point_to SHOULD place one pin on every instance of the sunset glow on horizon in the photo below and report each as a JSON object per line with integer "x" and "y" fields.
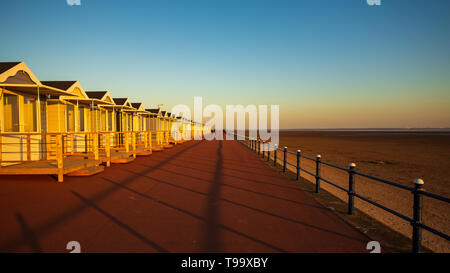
{"x": 328, "y": 64}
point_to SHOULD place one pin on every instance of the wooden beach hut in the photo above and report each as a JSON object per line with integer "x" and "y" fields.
{"x": 23, "y": 111}
{"x": 124, "y": 118}
{"x": 165, "y": 128}
{"x": 155, "y": 125}
{"x": 141, "y": 135}
{"x": 35, "y": 120}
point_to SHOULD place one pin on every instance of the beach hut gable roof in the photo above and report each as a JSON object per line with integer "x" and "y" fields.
{"x": 122, "y": 102}
{"x": 153, "y": 111}
{"x": 138, "y": 105}
{"x": 71, "y": 87}
{"x": 17, "y": 73}
{"x": 100, "y": 95}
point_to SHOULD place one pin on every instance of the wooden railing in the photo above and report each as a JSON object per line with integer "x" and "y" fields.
{"x": 27, "y": 147}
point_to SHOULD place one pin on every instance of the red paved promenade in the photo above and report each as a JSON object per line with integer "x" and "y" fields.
{"x": 196, "y": 197}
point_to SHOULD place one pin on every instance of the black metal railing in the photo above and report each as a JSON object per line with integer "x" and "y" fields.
{"x": 417, "y": 190}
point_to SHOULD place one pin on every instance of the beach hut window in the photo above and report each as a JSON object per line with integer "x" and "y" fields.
{"x": 94, "y": 118}
{"x": 29, "y": 111}
{"x": 110, "y": 121}
{"x": 10, "y": 113}
{"x": 103, "y": 121}
{"x": 130, "y": 122}
{"x": 81, "y": 113}
{"x": 70, "y": 118}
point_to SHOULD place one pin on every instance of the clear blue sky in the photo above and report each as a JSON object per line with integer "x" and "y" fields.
{"x": 327, "y": 63}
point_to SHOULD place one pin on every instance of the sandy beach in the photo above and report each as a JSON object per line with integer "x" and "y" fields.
{"x": 399, "y": 156}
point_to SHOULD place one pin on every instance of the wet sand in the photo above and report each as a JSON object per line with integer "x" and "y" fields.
{"x": 396, "y": 156}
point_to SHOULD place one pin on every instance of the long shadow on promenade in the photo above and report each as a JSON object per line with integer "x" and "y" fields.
{"x": 49, "y": 225}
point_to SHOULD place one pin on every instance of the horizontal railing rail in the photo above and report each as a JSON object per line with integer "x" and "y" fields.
{"x": 264, "y": 149}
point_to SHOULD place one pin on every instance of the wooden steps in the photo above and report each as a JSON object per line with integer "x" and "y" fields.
{"x": 157, "y": 148}
{"x": 122, "y": 160}
{"x": 48, "y": 167}
{"x": 87, "y": 171}
{"x": 143, "y": 153}
{"x": 167, "y": 146}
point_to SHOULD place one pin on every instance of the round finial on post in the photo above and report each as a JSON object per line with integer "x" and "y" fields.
{"x": 418, "y": 182}
{"x": 352, "y": 165}
{"x": 318, "y": 156}
{"x": 299, "y": 151}
{"x": 285, "y": 147}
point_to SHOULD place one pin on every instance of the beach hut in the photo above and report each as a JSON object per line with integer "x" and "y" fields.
{"x": 165, "y": 123}
{"x": 139, "y": 116}
{"x": 104, "y": 106}
{"x": 35, "y": 120}
{"x": 141, "y": 134}
{"x": 124, "y": 117}
{"x": 154, "y": 124}
{"x": 23, "y": 113}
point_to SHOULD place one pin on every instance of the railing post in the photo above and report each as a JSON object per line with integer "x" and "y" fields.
{"x": 72, "y": 144}
{"x": 127, "y": 145}
{"x": 108, "y": 149}
{"x": 146, "y": 141}
{"x": 259, "y": 147}
{"x": 59, "y": 157}
{"x": 318, "y": 157}
{"x": 417, "y": 215}
{"x": 133, "y": 143}
{"x": 268, "y": 152}
{"x": 284, "y": 159}
{"x": 65, "y": 145}
{"x": 150, "y": 140}
{"x": 275, "y": 155}
{"x": 95, "y": 145}
{"x": 351, "y": 189}
{"x": 47, "y": 146}
{"x": 86, "y": 143}
{"x": 1, "y": 150}
{"x": 29, "y": 147}
{"x": 263, "y": 151}
{"x": 298, "y": 164}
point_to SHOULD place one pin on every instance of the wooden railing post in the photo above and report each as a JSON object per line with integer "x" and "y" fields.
{"x": 65, "y": 146}
{"x": 1, "y": 150}
{"x": 299, "y": 155}
{"x": 133, "y": 143}
{"x": 150, "y": 140}
{"x": 28, "y": 147}
{"x": 108, "y": 149}
{"x": 284, "y": 159}
{"x": 275, "y": 155}
{"x": 127, "y": 145}
{"x": 47, "y": 146}
{"x": 86, "y": 143}
{"x": 59, "y": 157}
{"x": 146, "y": 141}
{"x": 95, "y": 145}
{"x": 72, "y": 143}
